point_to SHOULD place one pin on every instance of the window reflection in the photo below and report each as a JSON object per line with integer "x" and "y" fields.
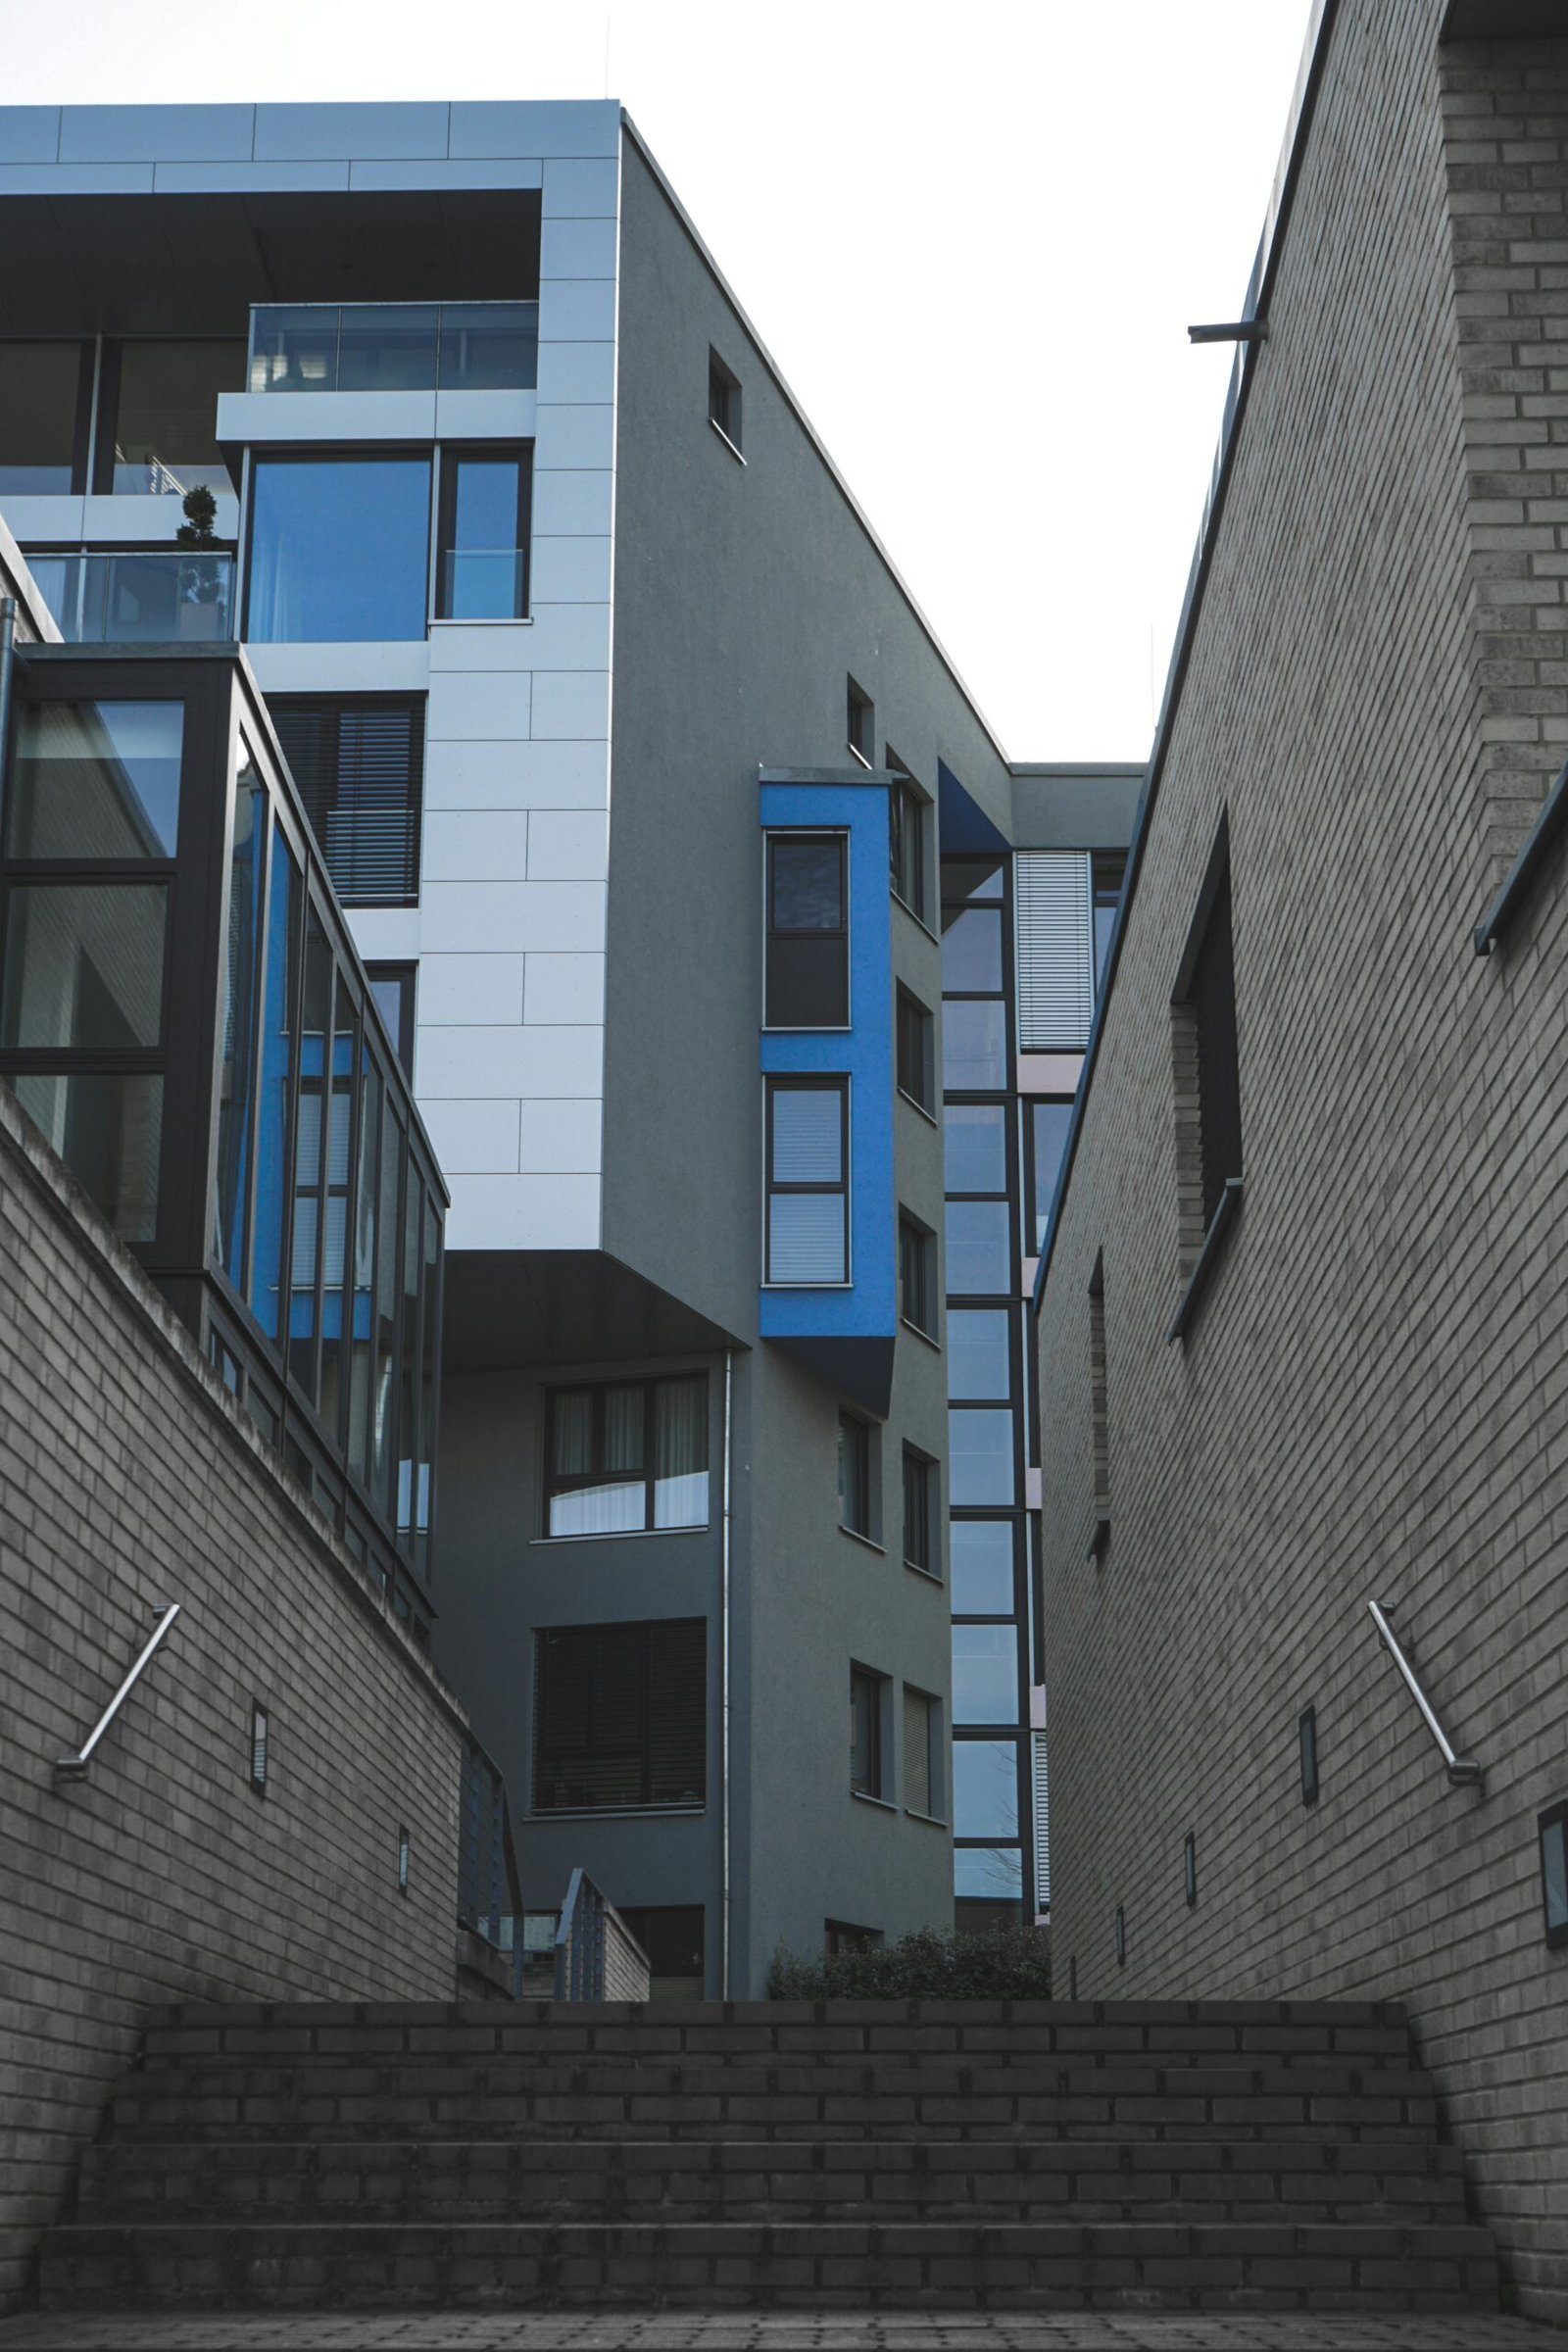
{"x": 989, "y": 1873}
{"x": 975, "y": 1147}
{"x": 109, "y": 1132}
{"x": 980, "y": 1445}
{"x": 973, "y": 1054}
{"x": 95, "y": 780}
{"x": 978, "y": 1252}
{"x": 985, "y": 1789}
{"x": 985, "y": 1673}
{"x": 982, "y": 1567}
{"x": 339, "y": 550}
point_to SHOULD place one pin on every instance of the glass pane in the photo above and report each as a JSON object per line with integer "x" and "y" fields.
{"x": 975, "y": 1145}
{"x": 109, "y": 1132}
{"x": 294, "y": 349}
{"x": 680, "y": 1453}
{"x": 40, "y": 385}
{"x": 364, "y": 1269}
{"x": 972, "y": 877}
{"x": 985, "y": 1673}
{"x": 865, "y": 1741}
{"x": 386, "y": 347}
{"x": 339, "y": 550}
{"x": 624, "y": 1410}
{"x": 166, "y": 416}
{"x": 985, "y": 1789}
{"x": 979, "y": 1253}
{"x": 806, "y": 1237}
{"x": 84, "y": 965}
{"x": 971, "y": 950}
{"x": 486, "y": 345}
{"x": 571, "y": 1444}
{"x": 617, "y": 1508}
{"x": 310, "y": 1129}
{"x": 980, "y": 1445}
{"x": 336, "y": 1269}
{"x": 383, "y": 1411}
{"x": 972, "y": 1054}
{"x": 978, "y": 1363}
{"x": 409, "y": 1366}
{"x": 280, "y": 1021}
{"x": 807, "y": 1135}
{"x": 992, "y": 1872}
{"x": 425, "y": 1498}
{"x": 807, "y": 981}
{"x": 982, "y": 1568}
{"x": 95, "y": 780}
{"x": 485, "y": 583}
{"x": 237, "y": 1082}
{"x": 486, "y": 503}
{"x": 1049, "y": 1125}
{"x": 808, "y": 886}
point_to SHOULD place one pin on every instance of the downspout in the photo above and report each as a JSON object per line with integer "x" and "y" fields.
{"x": 8, "y": 656}
{"x": 724, "y": 1831}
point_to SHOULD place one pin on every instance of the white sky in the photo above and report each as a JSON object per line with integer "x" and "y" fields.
{"x": 972, "y": 238}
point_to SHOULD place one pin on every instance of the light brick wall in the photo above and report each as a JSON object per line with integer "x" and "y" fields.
{"x": 1373, "y": 1400}
{"x": 128, "y": 1480}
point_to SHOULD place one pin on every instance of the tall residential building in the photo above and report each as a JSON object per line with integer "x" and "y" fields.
{"x": 644, "y": 783}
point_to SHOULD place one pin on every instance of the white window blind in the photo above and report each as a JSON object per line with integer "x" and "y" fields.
{"x": 1054, "y": 915}
{"x": 1042, "y": 1824}
{"x": 807, "y": 1135}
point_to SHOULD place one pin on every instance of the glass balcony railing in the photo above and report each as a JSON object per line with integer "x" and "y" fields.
{"x": 167, "y": 596}
{"x": 395, "y": 346}
{"x": 484, "y": 583}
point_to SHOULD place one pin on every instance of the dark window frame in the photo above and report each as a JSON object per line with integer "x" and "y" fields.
{"x": 777, "y": 936}
{"x": 906, "y": 838}
{"x": 931, "y": 1724}
{"x": 922, "y": 1519}
{"x": 724, "y": 402}
{"x": 653, "y": 1659}
{"x": 453, "y": 457}
{"x": 857, "y": 1477}
{"x": 1306, "y": 1746}
{"x": 918, "y": 1276}
{"x": 109, "y": 386}
{"x": 81, "y": 419}
{"x": 554, "y": 1482}
{"x": 320, "y": 798}
{"x": 868, "y": 1679}
{"x": 407, "y": 977}
{"x": 805, "y": 1081}
{"x": 341, "y": 453}
{"x": 860, "y": 724}
{"x": 916, "y": 1037}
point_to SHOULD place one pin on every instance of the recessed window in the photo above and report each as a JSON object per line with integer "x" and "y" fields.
{"x": 1552, "y": 1825}
{"x": 45, "y": 394}
{"x": 985, "y": 1673}
{"x": 359, "y": 763}
{"x": 403, "y": 1854}
{"x": 983, "y": 1568}
{"x": 906, "y": 837}
{"x": 841, "y": 1935}
{"x": 259, "y": 1748}
{"x": 1208, "y": 1134}
{"x": 916, "y": 1051}
{"x": 868, "y": 1727}
{"x": 857, "y": 1497}
{"x": 921, "y": 1520}
{"x": 482, "y": 541}
{"x": 918, "y": 1276}
{"x": 627, "y": 1456}
{"x": 675, "y": 1937}
{"x": 158, "y": 413}
{"x": 860, "y": 722}
{"x": 1108, "y": 873}
{"x": 1306, "y": 1741}
{"x": 979, "y": 1247}
{"x": 1099, "y": 1398}
{"x": 339, "y": 550}
{"x": 923, "y": 1752}
{"x": 808, "y": 978}
{"x": 979, "y": 1354}
{"x": 1189, "y": 1870}
{"x": 392, "y": 986}
{"x": 808, "y": 1242}
{"x": 724, "y": 400}
{"x": 620, "y": 1716}
{"x": 1046, "y": 1128}
{"x": 985, "y": 1789}
{"x": 1121, "y": 1937}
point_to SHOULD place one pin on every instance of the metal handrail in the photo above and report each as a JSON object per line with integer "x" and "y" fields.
{"x": 1463, "y": 1771}
{"x": 595, "y": 1948}
{"x": 74, "y": 1768}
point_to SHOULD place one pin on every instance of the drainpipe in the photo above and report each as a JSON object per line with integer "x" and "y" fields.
{"x": 8, "y": 656}
{"x": 724, "y": 1832}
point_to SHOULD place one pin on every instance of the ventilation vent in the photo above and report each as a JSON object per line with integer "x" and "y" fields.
{"x": 1052, "y": 911}
{"x": 359, "y": 762}
{"x": 1042, "y": 1824}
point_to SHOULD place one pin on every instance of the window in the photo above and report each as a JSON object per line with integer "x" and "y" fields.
{"x": 985, "y": 1789}
{"x": 725, "y": 401}
{"x": 857, "y": 1464}
{"x": 392, "y": 986}
{"x": 627, "y": 1456}
{"x": 807, "y": 1241}
{"x": 974, "y": 1143}
{"x": 860, "y": 724}
{"x": 1121, "y": 1937}
{"x": 359, "y": 762}
{"x": 982, "y": 1568}
{"x": 988, "y": 1874}
{"x": 1047, "y": 1129}
{"x": 1108, "y": 871}
{"x": 1208, "y": 1144}
{"x": 971, "y": 950}
{"x": 906, "y": 837}
{"x": 1189, "y": 1870}
{"x": 979, "y": 1256}
{"x": 974, "y": 1055}
{"x": 339, "y": 550}
{"x": 1552, "y": 1830}
{"x": 1039, "y": 1744}
{"x": 922, "y": 1753}
{"x": 482, "y": 540}
{"x": 620, "y": 1716}
{"x": 868, "y": 1727}
{"x": 1099, "y": 1401}
{"x": 1055, "y": 951}
{"x": 807, "y": 979}
{"x": 158, "y": 415}
{"x": 841, "y": 1936}
{"x": 916, "y": 1052}
{"x": 979, "y": 1354}
{"x": 918, "y": 1276}
{"x": 985, "y": 1673}
{"x": 45, "y": 399}
{"x": 674, "y": 1937}
{"x": 921, "y": 1520}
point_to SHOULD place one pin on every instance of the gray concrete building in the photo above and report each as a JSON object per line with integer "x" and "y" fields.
{"x": 1301, "y": 1307}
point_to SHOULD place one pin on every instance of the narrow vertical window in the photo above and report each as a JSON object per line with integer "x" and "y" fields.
{"x": 857, "y": 1501}
{"x": 259, "y": 1750}
{"x": 906, "y": 838}
{"x": 860, "y": 722}
{"x": 918, "y": 1276}
{"x": 865, "y": 1732}
{"x": 1189, "y": 1870}
{"x": 482, "y": 550}
{"x": 919, "y": 1511}
{"x": 916, "y": 1051}
{"x": 807, "y": 1182}
{"x": 1306, "y": 1741}
{"x": 724, "y": 400}
{"x": 808, "y": 977}
{"x": 1206, "y": 1078}
{"x": 1098, "y": 1407}
{"x": 922, "y": 1765}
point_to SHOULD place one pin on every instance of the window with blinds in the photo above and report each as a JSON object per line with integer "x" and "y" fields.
{"x": 1042, "y": 1780}
{"x": 808, "y": 1181}
{"x": 1053, "y": 917}
{"x": 620, "y": 1716}
{"x": 359, "y": 762}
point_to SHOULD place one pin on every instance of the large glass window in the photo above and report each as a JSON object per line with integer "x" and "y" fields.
{"x": 1049, "y": 1125}
{"x": 95, "y": 780}
{"x": 279, "y": 1023}
{"x": 627, "y": 1458}
{"x": 979, "y": 1359}
{"x": 620, "y": 1716}
{"x": 158, "y": 415}
{"x": 973, "y": 1045}
{"x": 985, "y": 1673}
{"x": 972, "y": 951}
{"x": 992, "y": 1874}
{"x": 808, "y": 983}
{"x": 975, "y": 1147}
{"x": 482, "y": 568}
{"x": 807, "y": 1190}
{"x": 84, "y": 965}
{"x": 978, "y": 1254}
{"x": 985, "y": 1789}
{"x": 236, "y": 1095}
{"x": 43, "y": 424}
{"x": 982, "y": 1567}
{"x": 359, "y": 761}
{"x": 109, "y": 1132}
{"x": 339, "y": 550}
{"x": 980, "y": 1447}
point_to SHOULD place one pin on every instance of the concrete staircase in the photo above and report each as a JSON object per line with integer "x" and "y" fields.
{"x": 945, "y": 2155}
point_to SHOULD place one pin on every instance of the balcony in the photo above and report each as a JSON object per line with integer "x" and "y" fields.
{"x": 394, "y": 347}
{"x": 163, "y": 596}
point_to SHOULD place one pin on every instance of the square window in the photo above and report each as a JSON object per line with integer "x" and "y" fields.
{"x": 724, "y": 400}
{"x": 620, "y": 1716}
{"x": 923, "y": 1752}
{"x": 867, "y": 1731}
{"x": 807, "y": 1241}
{"x": 918, "y": 1276}
{"x": 916, "y": 1051}
{"x": 921, "y": 1520}
{"x": 627, "y": 1456}
{"x": 860, "y": 722}
{"x": 157, "y": 416}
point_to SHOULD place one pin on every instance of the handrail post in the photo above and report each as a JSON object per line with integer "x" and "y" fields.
{"x": 76, "y": 1768}
{"x": 1463, "y": 1771}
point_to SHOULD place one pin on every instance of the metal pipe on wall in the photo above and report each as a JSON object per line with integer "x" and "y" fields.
{"x": 724, "y": 1829}
{"x": 8, "y": 662}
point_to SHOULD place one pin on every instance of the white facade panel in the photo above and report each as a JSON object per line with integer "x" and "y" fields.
{"x": 565, "y": 845}
{"x": 577, "y": 310}
{"x": 458, "y": 990}
{"x": 489, "y": 845}
{"x": 569, "y": 636}
{"x": 511, "y": 916}
{"x": 514, "y": 1063}
{"x": 550, "y": 126}
{"x": 484, "y": 706}
{"x": 571, "y": 371}
{"x": 516, "y": 775}
{"x": 571, "y": 571}
{"x": 582, "y": 190}
{"x": 563, "y": 990}
{"x": 1055, "y": 918}
{"x": 578, "y": 248}
{"x": 473, "y": 1137}
{"x": 571, "y": 703}
{"x": 482, "y": 645}
{"x": 399, "y": 668}
{"x": 524, "y": 1212}
{"x": 573, "y": 505}
{"x": 575, "y": 437}
{"x": 562, "y": 1137}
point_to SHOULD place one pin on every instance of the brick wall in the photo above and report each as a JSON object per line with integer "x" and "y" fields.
{"x": 129, "y": 1480}
{"x": 1372, "y": 1402}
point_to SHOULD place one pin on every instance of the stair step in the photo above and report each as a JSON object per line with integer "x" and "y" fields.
{"x": 1040, "y": 2266}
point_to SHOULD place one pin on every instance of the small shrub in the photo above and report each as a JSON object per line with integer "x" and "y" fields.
{"x": 996, "y": 1964}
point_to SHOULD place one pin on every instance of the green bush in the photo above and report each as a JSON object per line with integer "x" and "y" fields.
{"x": 995, "y": 1964}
